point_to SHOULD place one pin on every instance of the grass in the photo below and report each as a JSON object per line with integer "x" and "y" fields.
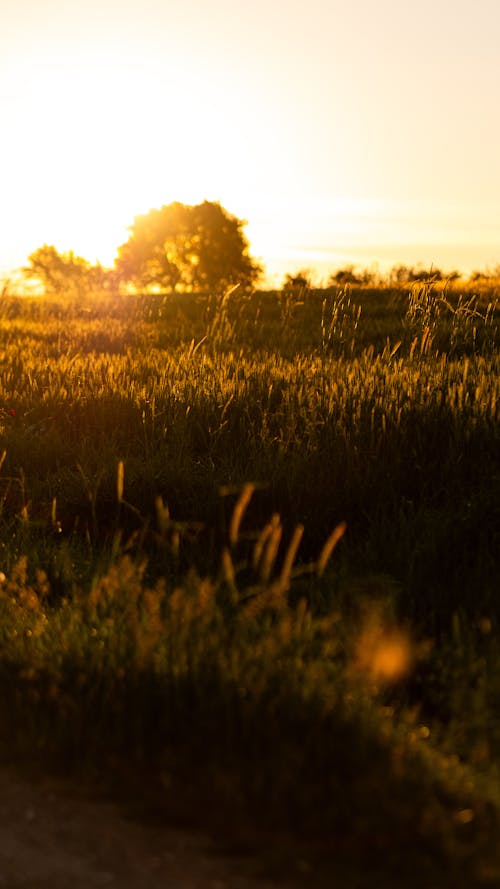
{"x": 173, "y": 469}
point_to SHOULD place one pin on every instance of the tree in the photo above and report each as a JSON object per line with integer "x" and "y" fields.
{"x": 66, "y": 273}
{"x": 192, "y": 248}
{"x": 299, "y": 282}
{"x": 402, "y": 275}
{"x": 344, "y": 276}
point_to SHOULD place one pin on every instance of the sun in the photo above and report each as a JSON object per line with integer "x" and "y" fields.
{"x": 101, "y": 137}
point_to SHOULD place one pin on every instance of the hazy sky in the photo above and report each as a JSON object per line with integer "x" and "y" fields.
{"x": 343, "y": 131}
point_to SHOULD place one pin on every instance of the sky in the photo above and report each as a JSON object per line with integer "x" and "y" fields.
{"x": 352, "y": 132}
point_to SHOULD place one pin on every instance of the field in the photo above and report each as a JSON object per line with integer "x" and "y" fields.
{"x": 250, "y": 558}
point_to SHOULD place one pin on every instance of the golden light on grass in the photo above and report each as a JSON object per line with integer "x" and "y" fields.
{"x": 120, "y": 478}
{"x": 328, "y": 548}
{"x": 239, "y": 511}
{"x": 289, "y": 559}
{"x": 271, "y": 549}
{"x": 228, "y": 571}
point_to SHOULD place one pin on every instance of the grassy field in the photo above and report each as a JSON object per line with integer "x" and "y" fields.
{"x": 250, "y": 553}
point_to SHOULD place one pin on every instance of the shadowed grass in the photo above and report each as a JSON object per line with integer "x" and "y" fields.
{"x": 158, "y": 616}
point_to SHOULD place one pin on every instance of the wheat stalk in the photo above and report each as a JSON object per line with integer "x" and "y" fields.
{"x": 330, "y": 544}
{"x": 239, "y": 511}
{"x": 289, "y": 559}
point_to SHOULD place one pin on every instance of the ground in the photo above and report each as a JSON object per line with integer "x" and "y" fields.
{"x": 55, "y": 836}
{"x": 58, "y": 835}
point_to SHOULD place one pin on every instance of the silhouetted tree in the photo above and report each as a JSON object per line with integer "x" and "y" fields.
{"x": 181, "y": 247}
{"x": 401, "y": 275}
{"x": 345, "y": 276}
{"x": 61, "y": 273}
{"x": 299, "y": 281}
{"x": 485, "y": 276}
{"x": 423, "y": 274}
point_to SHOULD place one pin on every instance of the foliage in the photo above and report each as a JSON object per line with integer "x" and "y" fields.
{"x": 348, "y": 275}
{"x": 192, "y": 248}
{"x": 66, "y": 273}
{"x": 344, "y": 276}
{"x": 402, "y": 275}
{"x": 298, "y": 282}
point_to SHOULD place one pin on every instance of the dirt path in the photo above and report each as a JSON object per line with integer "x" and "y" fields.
{"x": 53, "y": 837}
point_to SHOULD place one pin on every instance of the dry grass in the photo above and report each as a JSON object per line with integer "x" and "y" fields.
{"x": 259, "y": 540}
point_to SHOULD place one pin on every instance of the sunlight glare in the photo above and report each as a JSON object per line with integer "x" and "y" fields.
{"x": 99, "y": 142}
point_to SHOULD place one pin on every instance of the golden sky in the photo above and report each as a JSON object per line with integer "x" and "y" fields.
{"x": 343, "y": 131}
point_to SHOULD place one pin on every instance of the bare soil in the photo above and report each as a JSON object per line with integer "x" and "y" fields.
{"x": 56, "y": 836}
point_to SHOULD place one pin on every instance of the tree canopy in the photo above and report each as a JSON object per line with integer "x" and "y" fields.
{"x": 182, "y": 247}
{"x": 298, "y": 281}
{"x": 66, "y": 273}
